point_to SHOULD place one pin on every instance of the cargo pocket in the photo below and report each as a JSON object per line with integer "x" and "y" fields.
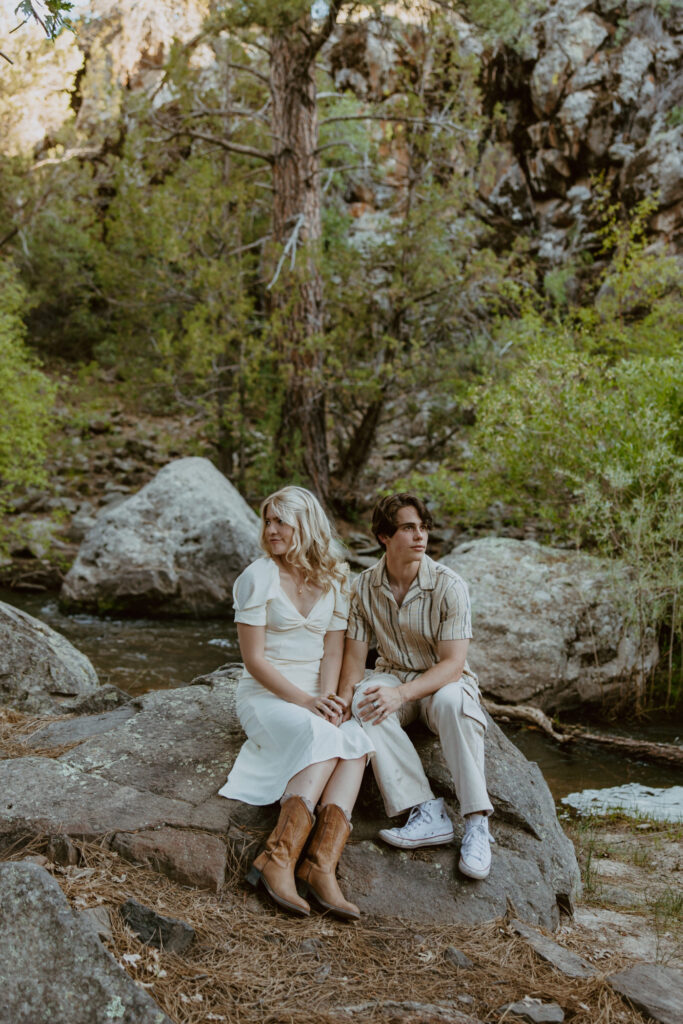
{"x": 473, "y": 709}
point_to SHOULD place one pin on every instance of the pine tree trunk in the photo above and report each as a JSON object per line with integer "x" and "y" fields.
{"x": 298, "y": 293}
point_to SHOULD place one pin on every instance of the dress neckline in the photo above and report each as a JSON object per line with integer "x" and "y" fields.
{"x": 288, "y": 598}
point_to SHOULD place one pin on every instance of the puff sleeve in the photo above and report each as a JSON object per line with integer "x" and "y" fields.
{"x": 340, "y": 614}
{"x": 252, "y": 591}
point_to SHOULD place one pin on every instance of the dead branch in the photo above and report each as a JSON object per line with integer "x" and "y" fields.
{"x": 232, "y": 147}
{"x": 525, "y": 713}
{"x": 668, "y": 753}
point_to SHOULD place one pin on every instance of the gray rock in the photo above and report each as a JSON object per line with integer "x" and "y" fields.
{"x": 99, "y": 921}
{"x": 41, "y": 794}
{"x": 53, "y": 966}
{"x": 655, "y": 989}
{"x": 164, "y": 765}
{"x": 511, "y": 197}
{"x": 174, "y": 548}
{"x": 38, "y": 666}
{"x": 636, "y": 58}
{"x": 575, "y": 113}
{"x": 657, "y": 166}
{"x": 60, "y": 850}
{"x": 563, "y": 959}
{"x": 548, "y": 80}
{"x": 574, "y": 43}
{"x": 408, "y": 1011}
{"x": 104, "y": 698}
{"x": 547, "y": 627}
{"x": 189, "y": 857}
{"x": 312, "y": 947}
{"x": 534, "y": 1011}
{"x": 75, "y": 730}
{"x": 457, "y": 957}
{"x": 156, "y": 930}
{"x": 80, "y": 524}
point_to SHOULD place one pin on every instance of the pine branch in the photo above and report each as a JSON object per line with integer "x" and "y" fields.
{"x": 231, "y": 147}
{"x": 400, "y": 120}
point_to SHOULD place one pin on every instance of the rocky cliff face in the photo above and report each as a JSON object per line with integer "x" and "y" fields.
{"x": 598, "y": 89}
{"x": 595, "y": 87}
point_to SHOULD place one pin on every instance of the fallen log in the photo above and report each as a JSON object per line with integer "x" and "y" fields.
{"x": 525, "y": 713}
{"x": 668, "y": 753}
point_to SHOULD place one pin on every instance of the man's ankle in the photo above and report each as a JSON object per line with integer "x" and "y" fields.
{"x": 476, "y": 818}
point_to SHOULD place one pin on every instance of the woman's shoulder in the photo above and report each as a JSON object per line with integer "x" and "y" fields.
{"x": 262, "y": 569}
{"x": 259, "y": 579}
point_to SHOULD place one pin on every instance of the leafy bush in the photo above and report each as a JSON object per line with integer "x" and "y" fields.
{"x": 27, "y": 396}
{"x": 593, "y": 448}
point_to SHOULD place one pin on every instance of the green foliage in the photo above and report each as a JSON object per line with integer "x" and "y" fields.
{"x": 27, "y": 396}
{"x": 503, "y": 21}
{"x": 51, "y": 15}
{"x": 580, "y": 425}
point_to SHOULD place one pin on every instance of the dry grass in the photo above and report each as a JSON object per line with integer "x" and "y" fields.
{"x": 253, "y": 964}
{"x": 16, "y": 728}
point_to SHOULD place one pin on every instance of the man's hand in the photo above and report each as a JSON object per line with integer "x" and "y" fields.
{"x": 379, "y": 702}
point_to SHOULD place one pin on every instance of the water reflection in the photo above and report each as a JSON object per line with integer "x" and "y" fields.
{"x": 579, "y": 766}
{"x": 138, "y": 655}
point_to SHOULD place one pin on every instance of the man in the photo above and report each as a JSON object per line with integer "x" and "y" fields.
{"x": 417, "y": 613}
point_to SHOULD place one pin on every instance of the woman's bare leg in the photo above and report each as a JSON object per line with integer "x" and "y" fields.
{"x": 344, "y": 784}
{"x": 310, "y": 782}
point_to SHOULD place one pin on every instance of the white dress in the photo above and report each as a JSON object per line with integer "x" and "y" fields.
{"x": 284, "y": 738}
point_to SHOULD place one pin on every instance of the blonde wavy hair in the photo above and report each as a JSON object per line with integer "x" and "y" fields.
{"x": 312, "y": 549}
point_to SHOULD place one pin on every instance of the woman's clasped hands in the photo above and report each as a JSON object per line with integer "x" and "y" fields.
{"x": 332, "y": 707}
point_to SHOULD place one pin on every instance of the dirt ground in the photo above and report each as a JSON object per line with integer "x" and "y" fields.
{"x": 633, "y": 888}
{"x": 253, "y": 964}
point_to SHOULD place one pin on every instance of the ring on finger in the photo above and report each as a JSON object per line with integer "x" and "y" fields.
{"x": 375, "y": 703}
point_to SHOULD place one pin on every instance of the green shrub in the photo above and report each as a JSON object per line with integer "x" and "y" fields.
{"x": 27, "y": 397}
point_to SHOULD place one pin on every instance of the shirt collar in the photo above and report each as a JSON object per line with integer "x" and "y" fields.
{"x": 426, "y": 576}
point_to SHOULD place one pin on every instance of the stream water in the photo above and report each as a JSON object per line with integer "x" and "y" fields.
{"x": 138, "y": 655}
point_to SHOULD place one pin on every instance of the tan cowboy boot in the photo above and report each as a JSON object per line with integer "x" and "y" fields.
{"x": 317, "y": 870}
{"x": 275, "y": 865}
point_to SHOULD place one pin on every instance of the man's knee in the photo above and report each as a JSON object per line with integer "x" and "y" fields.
{"x": 372, "y": 679}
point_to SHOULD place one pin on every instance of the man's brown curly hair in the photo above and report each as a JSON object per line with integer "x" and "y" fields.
{"x": 385, "y": 512}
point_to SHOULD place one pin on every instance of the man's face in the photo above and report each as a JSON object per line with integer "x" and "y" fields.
{"x": 409, "y": 542}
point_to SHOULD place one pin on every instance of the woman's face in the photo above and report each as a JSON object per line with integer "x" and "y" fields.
{"x": 278, "y": 535}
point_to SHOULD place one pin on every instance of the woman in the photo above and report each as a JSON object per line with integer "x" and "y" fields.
{"x": 291, "y": 609}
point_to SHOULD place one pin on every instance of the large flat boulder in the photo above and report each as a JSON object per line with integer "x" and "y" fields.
{"x": 173, "y": 549}
{"x": 52, "y": 965}
{"x": 548, "y": 629}
{"x": 39, "y": 668}
{"x": 161, "y": 768}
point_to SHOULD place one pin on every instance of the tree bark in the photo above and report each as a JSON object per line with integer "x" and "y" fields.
{"x": 298, "y": 292}
{"x": 360, "y": 444}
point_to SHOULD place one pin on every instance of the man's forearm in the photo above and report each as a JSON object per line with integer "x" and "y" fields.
{"x": 433, "y": 679}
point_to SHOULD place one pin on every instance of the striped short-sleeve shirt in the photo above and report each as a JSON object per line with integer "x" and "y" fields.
{"x": 436, "y": 607}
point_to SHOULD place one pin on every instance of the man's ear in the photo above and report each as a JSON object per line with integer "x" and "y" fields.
{"x": 382, "y": 538}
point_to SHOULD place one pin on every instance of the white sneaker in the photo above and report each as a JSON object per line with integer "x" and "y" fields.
{"x": 475, "y": 852}
{"x": 427, "y": 825}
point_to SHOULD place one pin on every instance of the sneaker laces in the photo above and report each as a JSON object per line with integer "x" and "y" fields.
{"x": 417, "y": 817}
{"x": 475, "y": 844}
